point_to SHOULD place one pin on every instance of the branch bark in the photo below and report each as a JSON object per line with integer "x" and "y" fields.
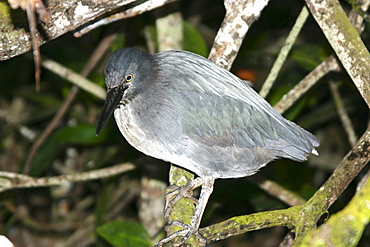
{"x": 65, "y": 16}
{"x": 355, "y": 216}
{"x": 240, "y": 15}
{"x": 346, "y": 42}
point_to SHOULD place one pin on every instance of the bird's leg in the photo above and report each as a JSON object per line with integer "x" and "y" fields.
{"x": 205, "y": 193}
{"x": 176, "y": 193}
{"x": 189, "y": 230}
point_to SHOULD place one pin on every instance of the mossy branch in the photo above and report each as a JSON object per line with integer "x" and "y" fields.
{"x": 355, "y": 216}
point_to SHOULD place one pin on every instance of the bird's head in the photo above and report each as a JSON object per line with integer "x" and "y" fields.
{"x": 126, "y": 73}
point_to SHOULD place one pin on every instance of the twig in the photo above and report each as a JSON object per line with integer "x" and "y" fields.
{"x": 134, "y": 11}
{"x": 343, "y": 115}
{"x": 74, "y": 78}
{"x": 10, "y": 180}
{"x": 278, "y": 64}
{"x": 31, "y": 16}
{"x": 276, "y": 190}
{"x": 240, "y": 15}
{"x": 32, "y": 7}
{"x": 330, "y": 64}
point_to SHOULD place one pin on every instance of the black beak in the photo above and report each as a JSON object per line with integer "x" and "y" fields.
{"x": 114, "y": 95}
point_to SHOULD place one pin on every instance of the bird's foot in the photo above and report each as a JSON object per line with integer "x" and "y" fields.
{"x": 185, "y": 234}
{"x": 175, "y": 193}
{"x": 187, "y": 231}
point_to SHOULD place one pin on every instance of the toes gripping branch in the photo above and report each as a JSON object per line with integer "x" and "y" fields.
{"x": 177, "y": 193}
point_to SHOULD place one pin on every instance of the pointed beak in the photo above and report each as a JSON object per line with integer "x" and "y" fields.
{"x": 114, "y": 95}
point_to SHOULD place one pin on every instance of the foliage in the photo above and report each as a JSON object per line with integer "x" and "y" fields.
{"x": 124, "y": 234}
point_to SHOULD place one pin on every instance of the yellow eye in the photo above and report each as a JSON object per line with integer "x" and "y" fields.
{"x": 129, "y": 78}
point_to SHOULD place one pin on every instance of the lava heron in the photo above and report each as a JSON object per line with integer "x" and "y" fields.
{"x": 182, "y": 108}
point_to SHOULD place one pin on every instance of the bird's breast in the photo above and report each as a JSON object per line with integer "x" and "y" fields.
{"x": 129, "y": 126}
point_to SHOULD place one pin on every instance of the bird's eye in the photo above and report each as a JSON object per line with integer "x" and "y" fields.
{"x": 129, "y": 78}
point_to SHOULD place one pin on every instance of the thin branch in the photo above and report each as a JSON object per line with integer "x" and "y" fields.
{"x": 32, "y": 7}
{"x": 74, "y": 78}
{"x": 343, "y": 115}
{"x": 10, "y": 180}
{"x": 330, "y": 64}
{"x": 283, "y": 54}
{"x": 31, "y": 16}
{"x": 276, "y": 190}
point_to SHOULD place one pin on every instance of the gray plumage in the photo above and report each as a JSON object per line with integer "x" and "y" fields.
{"x": 182, "y": 108}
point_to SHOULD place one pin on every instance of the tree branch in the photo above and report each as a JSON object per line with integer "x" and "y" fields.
{"x": 355, "y": 216}
{"x": 347, "y": 170}
{"x": 137, "y": 10}
{"x": 65, "y": 16}
{"x": 246, "y": 223}
{"x": 345, "y": 41}
{"x": 10, "y": 180}
{"x": 276, "y": 190}
{"x": 240, "y": 15}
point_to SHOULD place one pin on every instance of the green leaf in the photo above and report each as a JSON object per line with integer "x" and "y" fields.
{"x": 125, "y": 234}
{"x": 80, "y": 134}
{"x": 193, "y": 40}
{"x": 307, "y": 56}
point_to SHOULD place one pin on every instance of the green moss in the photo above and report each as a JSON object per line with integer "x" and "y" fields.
{"x": 5, "y": 17}
{"x": 344, "y": 228}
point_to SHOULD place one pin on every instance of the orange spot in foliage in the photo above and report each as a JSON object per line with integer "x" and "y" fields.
{"x": 246, "y": 74}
